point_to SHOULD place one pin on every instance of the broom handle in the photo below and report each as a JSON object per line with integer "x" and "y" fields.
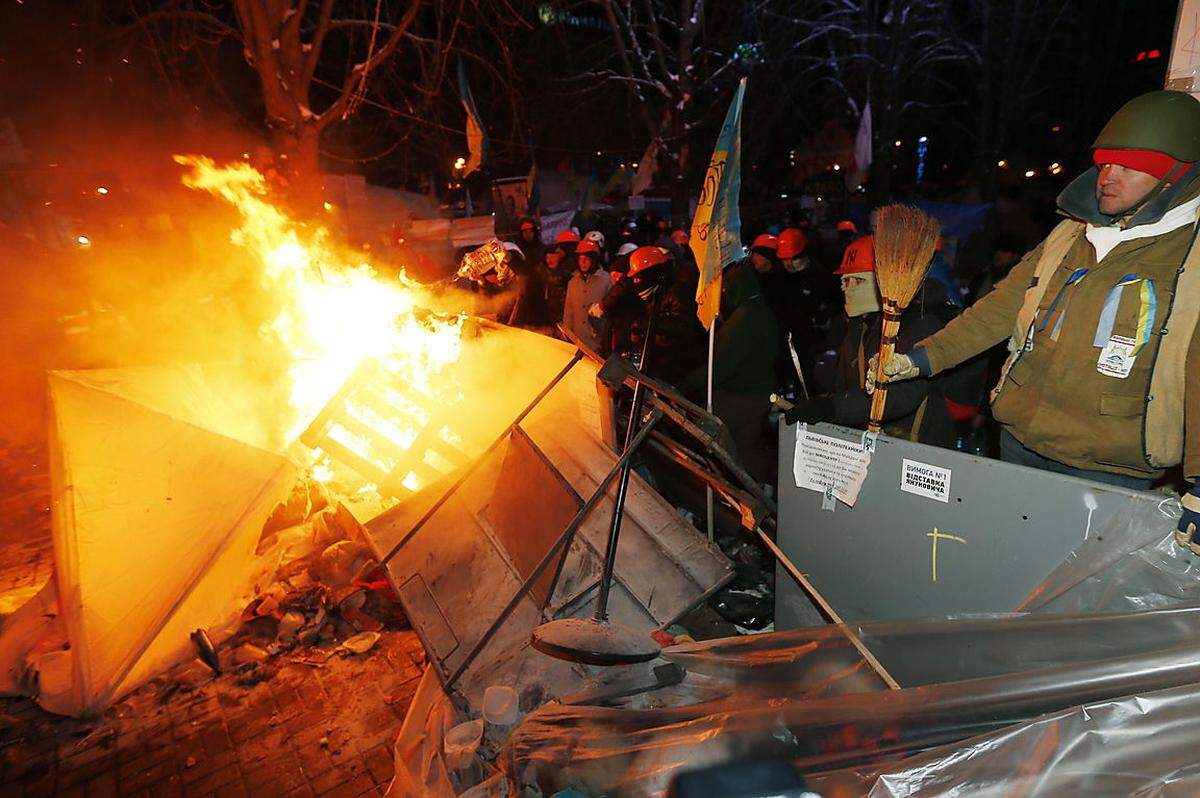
{"x": 887, "y": 346}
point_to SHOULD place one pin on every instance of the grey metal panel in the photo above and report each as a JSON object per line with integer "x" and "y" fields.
{"x": 875, "y": 560}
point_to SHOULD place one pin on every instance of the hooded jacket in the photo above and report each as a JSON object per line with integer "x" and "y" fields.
{"x": 1064, "y": 311}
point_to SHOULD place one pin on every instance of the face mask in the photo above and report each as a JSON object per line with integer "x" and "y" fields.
{"x": 794, "y": 265}
{"x": 862, "y": 294}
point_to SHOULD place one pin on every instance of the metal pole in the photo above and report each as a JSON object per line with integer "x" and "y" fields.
{"x": 614, "y": 531}
{"x": 474, "y": 466}
{"x": 564, "y": 541}
{"x": 708, "y": 491}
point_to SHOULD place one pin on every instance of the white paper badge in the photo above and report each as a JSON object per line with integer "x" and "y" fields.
{"x": 923, "y": 479}
{"x": 1117, "y": 356}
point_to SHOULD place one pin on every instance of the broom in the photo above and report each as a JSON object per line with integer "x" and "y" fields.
{"x": 905, "y": 240}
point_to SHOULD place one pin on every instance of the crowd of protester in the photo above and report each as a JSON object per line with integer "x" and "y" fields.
{"x": 800, "y": 318}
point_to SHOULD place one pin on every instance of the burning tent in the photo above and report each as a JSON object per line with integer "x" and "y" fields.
{"x": 161, "y": 484}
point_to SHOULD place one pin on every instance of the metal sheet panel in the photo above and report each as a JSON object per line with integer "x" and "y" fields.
{"x": 877, "y": 560}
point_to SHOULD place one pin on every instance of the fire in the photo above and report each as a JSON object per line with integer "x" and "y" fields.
{"x": 337, "y": 313}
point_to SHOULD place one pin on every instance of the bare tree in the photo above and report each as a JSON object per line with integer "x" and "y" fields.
{"x": 900, "y": 55}
{"x": 317, "y": 63}
{"x": 673, "y": 58}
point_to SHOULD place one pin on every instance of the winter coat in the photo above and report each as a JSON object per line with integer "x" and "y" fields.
{"x": 583, "y": 291}
{"x": 555, "y": 283}
{"x": 915, "y": 409}
{"x": 679, "y": 340}
{"x": 744, "y": 353}
{"x": 1052, "y": 395}
{"x": 746, "y": 343}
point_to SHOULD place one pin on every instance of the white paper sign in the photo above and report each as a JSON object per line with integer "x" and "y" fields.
{"x": 930, "y": 481}
{"x": 826, "y": 464}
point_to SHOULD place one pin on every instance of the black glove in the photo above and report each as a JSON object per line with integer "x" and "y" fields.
{"x": 810, "y": 411}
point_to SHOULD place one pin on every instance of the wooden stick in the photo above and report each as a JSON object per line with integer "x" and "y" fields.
{"x": 811, "y": 590}
{"x": 887, "y": 347}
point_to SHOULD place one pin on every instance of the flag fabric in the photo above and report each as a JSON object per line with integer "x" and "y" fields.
{"x": 476, "y": 139}
{"x": 717, "y": 227}
{"x": 646, "y": 169}
{"x": 862, "y": 150}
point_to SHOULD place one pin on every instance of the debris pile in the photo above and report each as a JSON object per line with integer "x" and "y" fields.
{"x": 329, "y": 595}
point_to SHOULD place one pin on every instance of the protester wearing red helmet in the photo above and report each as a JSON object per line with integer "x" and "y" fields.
{"x": 764, "y": 252}
{"x": 792, "y": 243}
{"x": 558, "y": 267}
{"x": 529, "y": 237}
{"x": 919, "y": 413}
{"x": 678, "y": 340}
{"x": 587, "y": 287}
{"x": 568, "y": 238}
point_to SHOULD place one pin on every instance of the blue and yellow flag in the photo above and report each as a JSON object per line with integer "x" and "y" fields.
{"x": 717, "y": 228}
{"x": 476, "y": 139}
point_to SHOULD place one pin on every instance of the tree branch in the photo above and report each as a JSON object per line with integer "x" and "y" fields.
{"x": 360, "y": 70}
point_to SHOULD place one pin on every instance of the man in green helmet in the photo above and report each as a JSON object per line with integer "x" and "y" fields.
{"x": 1102, "y": 379}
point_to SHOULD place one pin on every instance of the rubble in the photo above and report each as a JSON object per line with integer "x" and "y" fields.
{"x": 329, "y": 595}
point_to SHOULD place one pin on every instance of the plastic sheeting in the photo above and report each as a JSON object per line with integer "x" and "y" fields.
{"x": 1131, "y": 564}
{"x": 1139, "y": 746}
{"x": 806, "y": 696}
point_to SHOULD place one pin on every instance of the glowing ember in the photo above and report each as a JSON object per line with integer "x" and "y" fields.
{"x": 335, "y": 313}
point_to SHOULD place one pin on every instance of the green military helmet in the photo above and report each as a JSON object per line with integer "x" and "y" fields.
{"x": 1163, "y": 121}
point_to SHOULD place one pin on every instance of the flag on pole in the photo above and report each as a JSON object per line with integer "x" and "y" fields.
{"x": 646, "y": 169}
{"x": 862, "y": 150}
{"x": 717, "y": 227}
{"x": 476, "y": 139}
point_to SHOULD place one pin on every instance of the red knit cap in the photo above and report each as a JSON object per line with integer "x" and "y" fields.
{"x": 1152, "y": 162}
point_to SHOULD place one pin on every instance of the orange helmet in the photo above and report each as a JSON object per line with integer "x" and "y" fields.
{"x": 766, "y": 241}
{"x": 847, "y": 226}
{"x": 587, "y": 246}
{"x": 567, "y": 236}
{"x": 681, "y": 237}
{"x": 859, "y": 257}
{"x": 528, "y": 224}
{"x": 792, "y": 242}
{"x": 644, "y": 258}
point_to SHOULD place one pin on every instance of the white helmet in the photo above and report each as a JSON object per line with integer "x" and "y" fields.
{"x": 597, "y": 236}
{"x": 626, "y": 248}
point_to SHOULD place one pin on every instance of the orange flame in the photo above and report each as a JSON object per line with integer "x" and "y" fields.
{"x": 335, "y": 311}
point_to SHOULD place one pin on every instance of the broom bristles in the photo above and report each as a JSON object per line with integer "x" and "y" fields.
{"x": 905, "y": 240}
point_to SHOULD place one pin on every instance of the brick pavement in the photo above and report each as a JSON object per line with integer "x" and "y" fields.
{"x": 307, "y": 731}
